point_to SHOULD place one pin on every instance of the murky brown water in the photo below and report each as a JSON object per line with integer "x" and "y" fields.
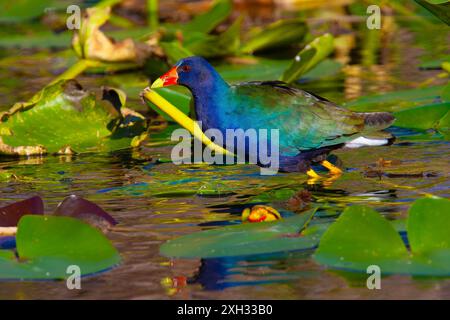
{"x": 157, "y": 202}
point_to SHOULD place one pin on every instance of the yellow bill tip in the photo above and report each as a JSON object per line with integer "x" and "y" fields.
{"x": 159, "y": 83}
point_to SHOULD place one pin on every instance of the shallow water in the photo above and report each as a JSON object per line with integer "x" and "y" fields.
{"x": 156, "y": 201}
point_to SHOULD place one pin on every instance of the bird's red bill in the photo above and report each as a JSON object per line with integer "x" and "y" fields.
{"x": 168, "y": 79}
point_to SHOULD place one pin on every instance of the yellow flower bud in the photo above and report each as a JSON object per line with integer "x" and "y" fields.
{"x": 260, "y": 213}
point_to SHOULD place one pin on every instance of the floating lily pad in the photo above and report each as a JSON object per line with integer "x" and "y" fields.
{"x": 47, "y": 246}
{"x": 246, "y": 239}
{"x": 424, "y": 117}
{"x": 362, "y": 237}
{"x": 65, "y": 119}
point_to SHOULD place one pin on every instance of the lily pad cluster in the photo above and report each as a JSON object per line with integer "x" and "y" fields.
{"x": 47, "y": 246}
{"x": 362, "y": 237}
{"x": 359, "y": 238}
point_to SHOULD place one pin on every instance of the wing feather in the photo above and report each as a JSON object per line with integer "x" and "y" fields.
{"x": 305, "y": 120}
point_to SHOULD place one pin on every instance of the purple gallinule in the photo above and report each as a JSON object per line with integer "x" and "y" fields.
{"x": 310, "y": 127}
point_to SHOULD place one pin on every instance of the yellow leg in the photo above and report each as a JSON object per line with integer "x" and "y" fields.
{"x": 312, "y": 174}
{"x": 333, "y": 169}
{"x": 313, "y": 177}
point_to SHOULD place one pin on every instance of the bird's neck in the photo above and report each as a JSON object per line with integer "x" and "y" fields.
{"x": 210, "y": 101}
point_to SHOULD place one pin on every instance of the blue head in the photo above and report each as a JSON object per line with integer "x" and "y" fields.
{"x": 193, "y": 73}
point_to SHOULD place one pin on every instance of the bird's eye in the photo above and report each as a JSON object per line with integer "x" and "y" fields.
{"x": 186, "y": 68}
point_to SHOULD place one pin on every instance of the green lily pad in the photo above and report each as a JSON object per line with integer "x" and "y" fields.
{"x": 316, "y": 51}
{"x": 246, "y": 239}
{"x": 355, "y": 239}
{"x": 427, "y": 225}
{"x": 424, "y": 117}
{"x": 362, "y": 237}
{"x": 47, "y": 246}
{"x": 63, "y": 118}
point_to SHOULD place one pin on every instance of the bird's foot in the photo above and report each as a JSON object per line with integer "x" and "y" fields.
{"x": 334, "y": 171}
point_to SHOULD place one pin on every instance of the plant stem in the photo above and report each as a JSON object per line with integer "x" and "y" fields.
{"x": 74, "y": 70}
{"x": 153, "y": 16}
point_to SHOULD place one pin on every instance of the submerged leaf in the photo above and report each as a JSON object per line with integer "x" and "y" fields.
{"x": 11, "y": 214}
{"x": 65, "y": 115}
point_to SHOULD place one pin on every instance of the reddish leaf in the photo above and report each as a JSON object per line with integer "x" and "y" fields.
{"x": 77, "y": 207}
{"x": 11, "y": 214}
